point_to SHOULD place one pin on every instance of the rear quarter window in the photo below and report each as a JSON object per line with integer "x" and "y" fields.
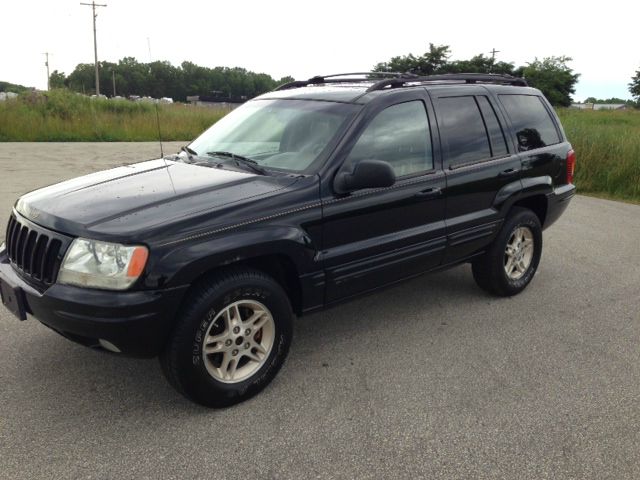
{"x": 531, "y": 121}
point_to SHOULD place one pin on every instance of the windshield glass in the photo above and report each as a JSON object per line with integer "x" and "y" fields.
{"x": 285, "y": 134}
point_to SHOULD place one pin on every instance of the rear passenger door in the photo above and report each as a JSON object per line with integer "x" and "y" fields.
{"x": 479, "y": 161}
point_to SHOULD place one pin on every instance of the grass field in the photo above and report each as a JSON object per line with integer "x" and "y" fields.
{"x": 60, "y": 116}
{"x": 607, "y": 143}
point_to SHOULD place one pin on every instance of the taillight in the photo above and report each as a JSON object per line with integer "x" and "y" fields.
{"x": 571, "y": 165}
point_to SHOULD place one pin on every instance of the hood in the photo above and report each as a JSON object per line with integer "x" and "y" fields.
{"x": 141, "y": 197}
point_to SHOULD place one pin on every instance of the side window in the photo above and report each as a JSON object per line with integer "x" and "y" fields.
{"x": 464, "y": 136}
{"x": 398, "y": 135}
{"x": 531, "y": 121}
{"x": 496, "y": 135}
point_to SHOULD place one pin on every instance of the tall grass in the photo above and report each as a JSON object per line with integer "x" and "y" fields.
{"x": 61, "y": 116}
{"x": 607, "y": 145}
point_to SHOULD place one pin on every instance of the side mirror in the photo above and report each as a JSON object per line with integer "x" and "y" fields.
{"x": 365, "y": 174}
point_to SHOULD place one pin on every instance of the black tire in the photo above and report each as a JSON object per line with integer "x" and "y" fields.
{"x": 489, "y": 269}
{"x": 182, "y": 360}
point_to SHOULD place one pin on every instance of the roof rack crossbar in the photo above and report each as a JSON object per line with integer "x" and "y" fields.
{"x": 450, "y": 78}
{"x": 339, "y": 78}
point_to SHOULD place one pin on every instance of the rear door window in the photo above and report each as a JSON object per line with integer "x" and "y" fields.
{"x": 464, "y": 136}
{"x": 531, "y": 121}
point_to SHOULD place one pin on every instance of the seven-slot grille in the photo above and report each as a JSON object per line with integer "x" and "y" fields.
{"x": 33, "y": 253}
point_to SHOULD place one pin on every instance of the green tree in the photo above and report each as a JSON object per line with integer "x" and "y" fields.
{"x": 57, "y": 79}
{"x": 634, "y": 87}
{"x": 610, "y": 100}
{"x": 161, "y": 79}
{"x": 553, "y": 77}
{"x": 478, "y": 64}
{"x": 428, "y": 63}
{"x": 82, "y": 79}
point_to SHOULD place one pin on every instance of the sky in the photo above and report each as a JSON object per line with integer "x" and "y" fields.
{"x": 303, "y": 39}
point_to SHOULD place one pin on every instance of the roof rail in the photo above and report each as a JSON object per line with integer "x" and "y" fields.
{"x": 340, "y": 78}
{"x": 450, "y": 78}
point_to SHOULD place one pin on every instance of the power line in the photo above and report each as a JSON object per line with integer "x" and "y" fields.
{"x": 93, "y": 5}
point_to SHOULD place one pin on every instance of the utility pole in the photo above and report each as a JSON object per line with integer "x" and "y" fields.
{"x": 93, "y": 5}
{"x": 493, "y": 58}
{"x": 46, "y": 63}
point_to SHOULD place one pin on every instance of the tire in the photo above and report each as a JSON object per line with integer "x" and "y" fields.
{"x": 490, "y": 270}
{"x": 213, "y": 356}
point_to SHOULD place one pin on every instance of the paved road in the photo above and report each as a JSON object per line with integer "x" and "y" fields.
{"x": 431, "y": 379}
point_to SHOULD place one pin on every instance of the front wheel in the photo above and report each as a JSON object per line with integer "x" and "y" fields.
{"x": 512, "y": 259}
{"x": 231, "y": 338}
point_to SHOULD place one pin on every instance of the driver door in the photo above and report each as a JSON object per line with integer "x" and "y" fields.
{"x": 374, "y": 237}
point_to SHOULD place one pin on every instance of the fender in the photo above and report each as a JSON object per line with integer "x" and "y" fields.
{"x": 520, "y": 189}
{"x": 186, "y": 262}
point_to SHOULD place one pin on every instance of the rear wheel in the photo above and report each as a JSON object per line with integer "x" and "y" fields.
{"x": 512, "y": 259}
{"x": 231, "y": 338}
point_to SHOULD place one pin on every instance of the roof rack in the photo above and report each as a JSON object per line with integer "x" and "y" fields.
{"x": 449, "y": 78}
{"x": 340, "y": 78}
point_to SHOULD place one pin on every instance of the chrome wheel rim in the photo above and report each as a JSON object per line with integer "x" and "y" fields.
{"x": 238, "y": 341}
{"x": 519, "y": 253}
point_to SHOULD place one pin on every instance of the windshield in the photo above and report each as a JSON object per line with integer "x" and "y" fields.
{"x": 284, "y": 134}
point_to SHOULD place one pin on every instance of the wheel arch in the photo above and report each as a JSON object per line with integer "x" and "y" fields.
{"x": 276, "y": 265}
{"x": 537, "y": 203}
{"x": 531, "y": 193}
{"x": 284, "y": 253}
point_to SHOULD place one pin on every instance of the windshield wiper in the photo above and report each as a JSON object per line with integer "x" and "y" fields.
{"x": 241, "y": 161}
{"x": 189, "y": 151}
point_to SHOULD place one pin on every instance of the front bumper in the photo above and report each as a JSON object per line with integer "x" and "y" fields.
{"x": 137, "y": 323}
{"x": 557, "y": 203}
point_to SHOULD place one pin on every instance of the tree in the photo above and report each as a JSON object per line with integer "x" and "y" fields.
{"x": 427, "y": 64}
{"x": 634, "y": 87}
{"x": 617, "y": 100}
{"x": 553, "y": 77}
{"x": 161, "y": 79}
{"x": 57, "y": 79}
{"x": 478, "y": 64}
{"x": 12, "y": 87}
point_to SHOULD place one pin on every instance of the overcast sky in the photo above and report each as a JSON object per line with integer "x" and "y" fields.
{"x": 305, "y": 38}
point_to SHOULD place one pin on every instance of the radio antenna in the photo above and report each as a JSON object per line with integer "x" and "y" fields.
{"x": 159, "y": 132}
{"x": 164, "y": 159}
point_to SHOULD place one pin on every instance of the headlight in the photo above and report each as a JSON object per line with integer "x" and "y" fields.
{"x": 89, "y": 263}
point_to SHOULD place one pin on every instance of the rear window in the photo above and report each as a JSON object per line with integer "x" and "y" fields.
{"x": 531, "y": 121}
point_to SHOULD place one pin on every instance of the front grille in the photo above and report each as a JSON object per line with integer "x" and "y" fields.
{"x": 33, "y": 252}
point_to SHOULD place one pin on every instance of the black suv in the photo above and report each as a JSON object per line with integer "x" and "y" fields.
{"x": 301, "y": 198}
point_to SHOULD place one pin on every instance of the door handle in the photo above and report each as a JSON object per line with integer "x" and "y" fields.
{"x": 509, "y": 172}
{"x": 429, "y": 193}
